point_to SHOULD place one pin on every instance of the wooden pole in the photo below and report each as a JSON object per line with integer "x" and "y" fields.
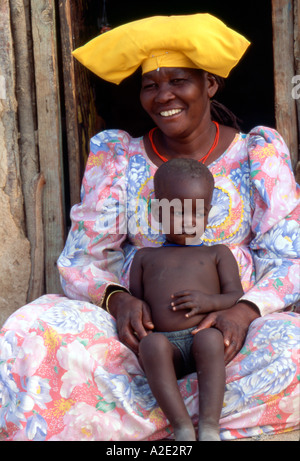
{"x": 49, "y": 135}
{"x": 74, "y": 158}
{"x": 284, "y": 70}
{"x": 297, "y": 72}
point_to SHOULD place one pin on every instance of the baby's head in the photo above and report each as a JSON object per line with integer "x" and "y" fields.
{"x": 187, "y": 185}
{"x": 182, "y": 169}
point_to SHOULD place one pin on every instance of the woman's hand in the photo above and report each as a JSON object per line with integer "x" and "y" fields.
{"x": 133, "y": 318}
{"x": 233, "y": 324}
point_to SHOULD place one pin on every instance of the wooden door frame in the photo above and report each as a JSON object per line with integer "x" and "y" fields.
{"x": 286, "y": 24}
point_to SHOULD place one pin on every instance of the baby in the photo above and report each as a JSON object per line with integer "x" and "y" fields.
{"x": 182, "y": 281}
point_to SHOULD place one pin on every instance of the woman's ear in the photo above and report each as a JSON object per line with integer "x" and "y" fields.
{"x": 212, "y": 85}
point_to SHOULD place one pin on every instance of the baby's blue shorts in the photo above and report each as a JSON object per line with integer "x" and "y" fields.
{"x": 183, "y": 340}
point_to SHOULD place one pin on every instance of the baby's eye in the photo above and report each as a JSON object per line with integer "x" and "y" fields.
{"x": 178, "y": 213}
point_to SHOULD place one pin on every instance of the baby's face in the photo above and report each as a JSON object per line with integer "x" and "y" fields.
{"x": 185, "y": 210}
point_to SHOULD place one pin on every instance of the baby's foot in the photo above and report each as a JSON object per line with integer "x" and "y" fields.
{"x": 209, "y": 434}
{"x": 185, "y": 434}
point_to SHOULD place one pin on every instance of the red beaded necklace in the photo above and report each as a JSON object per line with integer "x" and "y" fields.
{"x": 203, "y": 159}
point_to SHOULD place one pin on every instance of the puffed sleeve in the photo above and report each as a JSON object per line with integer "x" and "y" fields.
{"x": 92, "y": 258}
{"x": 275, "y": 225}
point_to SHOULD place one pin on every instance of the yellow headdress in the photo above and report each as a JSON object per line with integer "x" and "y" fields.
{"x": 198, "y": 41}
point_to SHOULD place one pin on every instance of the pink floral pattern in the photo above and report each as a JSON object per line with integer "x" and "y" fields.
{"x": 64, "y": 375}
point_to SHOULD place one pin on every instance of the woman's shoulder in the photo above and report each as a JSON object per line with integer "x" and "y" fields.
{"x": 117, "y": 145}
{"x": 258, "y": 141}
{"x": 262, "y": 136}
{"x": 265, "y": 144}
{"x": 111, "y": 136}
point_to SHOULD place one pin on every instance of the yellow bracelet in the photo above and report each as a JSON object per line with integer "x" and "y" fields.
{"x": 107, "y": 299}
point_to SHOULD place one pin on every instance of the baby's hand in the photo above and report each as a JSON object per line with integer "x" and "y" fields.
{"x": 195, "y": 300}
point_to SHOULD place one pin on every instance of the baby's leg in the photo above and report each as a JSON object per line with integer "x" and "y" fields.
{"x": 208, "y": 351}
{"x": 160, "y": 360}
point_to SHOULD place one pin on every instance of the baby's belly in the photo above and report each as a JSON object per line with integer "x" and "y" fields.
{"x": 165, "y": 319}
{"x": 170, "y": 279}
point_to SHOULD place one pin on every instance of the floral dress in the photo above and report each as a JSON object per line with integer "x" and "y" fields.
{"x": 64, "y": 375}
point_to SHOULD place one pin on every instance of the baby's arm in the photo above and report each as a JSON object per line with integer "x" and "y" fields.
{"x": 230, "y": 282}
{"x": 230, "y": 288}
{"x": 136, "y": 276}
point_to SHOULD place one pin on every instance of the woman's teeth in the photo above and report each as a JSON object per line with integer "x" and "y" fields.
{"x": 168, "y": 113}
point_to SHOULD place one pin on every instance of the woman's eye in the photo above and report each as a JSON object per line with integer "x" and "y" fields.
{"x": 149, "y": 86}
{"x": 177, "y": 81}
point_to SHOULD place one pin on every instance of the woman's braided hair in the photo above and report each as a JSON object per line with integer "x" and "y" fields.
{"x": 221, "y": 113}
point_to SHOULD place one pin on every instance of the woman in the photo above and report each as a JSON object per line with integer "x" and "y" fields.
{"x": 65, "y": 374}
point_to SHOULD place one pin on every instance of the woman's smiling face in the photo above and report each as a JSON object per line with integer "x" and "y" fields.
{"x": 177, "y": 99}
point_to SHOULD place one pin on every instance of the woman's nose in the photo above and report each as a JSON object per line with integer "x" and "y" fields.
{"x": 164, "y": 94}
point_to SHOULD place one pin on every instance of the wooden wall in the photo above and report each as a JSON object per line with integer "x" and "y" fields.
{"x": 15, "y": 259}
{"x": 38, "y": 92}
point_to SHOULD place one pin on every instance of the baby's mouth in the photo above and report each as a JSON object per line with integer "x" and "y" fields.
{"x": 189, "y": 231}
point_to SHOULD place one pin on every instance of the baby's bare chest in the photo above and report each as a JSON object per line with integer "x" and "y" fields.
{"x": 182, "y": 270}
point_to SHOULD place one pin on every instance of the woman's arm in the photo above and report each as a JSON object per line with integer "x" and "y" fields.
{"x": 275, "y": 245}
{"x": 93, "y": 258}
